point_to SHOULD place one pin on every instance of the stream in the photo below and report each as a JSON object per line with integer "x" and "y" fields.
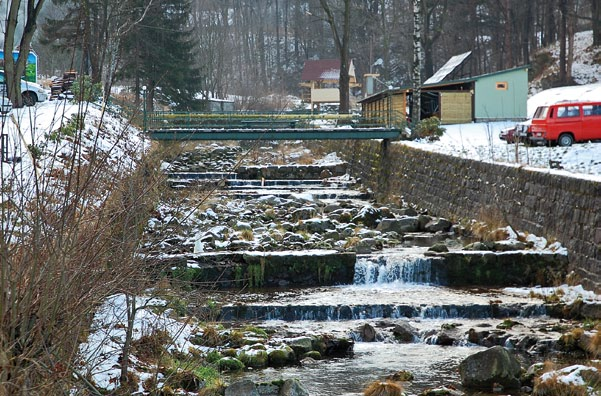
{"x": 389, "y": 286}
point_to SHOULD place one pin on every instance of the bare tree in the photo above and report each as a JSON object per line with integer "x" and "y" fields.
{"x": 14, "y": 69}
{"x": 341, "y": 32}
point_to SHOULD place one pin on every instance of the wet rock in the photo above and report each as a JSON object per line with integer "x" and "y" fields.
{"x": 507, "y": 246}
{"x": 309, "y": 361}
{"x": 525, "y": 343}
{"x": 476, "y": 246}
{"x": 303, "y": 213}
{"x": 438, "y": 248}
{"x": 254, "y": 358}
{"x": 332, "y": 234}
{"x": 313, "y": 355}
{"x": 336, "y": 347}
{"x": 476, "y": 337}
{"x": 422, "y": 221}
{"x": 400, "y": 225}
{"x": 281, "y": 357}
{"x": 401, "y": 376}
{"x": 326, "y": 173}
{"x": 368, "y": 216}
{"x": 442, "y": 391}
{"x": 291, "y": 237}
{"x": 367, "y": 245}
{"x": 300, "y": 345}
{"x": 316, "y": 225}
{"x": 293, "y": 387}
{"x": 404, "y": 332}
{"x": 242, "y": 388}
{"x": 330, "y": 208}
{"x": 438, "y": 225}
{"x": 367, "y": 333}
{"x": 483, "y": 370}
{"x": 407, "y": 212}
{"x": 443, "y": 339}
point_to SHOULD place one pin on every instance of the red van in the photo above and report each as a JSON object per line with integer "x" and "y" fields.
{"x": 565, "y": 123}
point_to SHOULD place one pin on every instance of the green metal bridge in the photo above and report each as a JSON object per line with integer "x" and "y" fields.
{"x": 269, "y": 126}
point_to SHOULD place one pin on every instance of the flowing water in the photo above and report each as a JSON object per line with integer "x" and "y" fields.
{"x": 393, "y": 285}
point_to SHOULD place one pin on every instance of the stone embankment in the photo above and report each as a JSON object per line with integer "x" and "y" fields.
{"x": 237, "y": 241}
{"x": 556, "y": 206}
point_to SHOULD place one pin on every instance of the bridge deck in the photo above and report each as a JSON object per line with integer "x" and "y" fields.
{"x": 265, "y": 126}
{"x": 273, "y": 134}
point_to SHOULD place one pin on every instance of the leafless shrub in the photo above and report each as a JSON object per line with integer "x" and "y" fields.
{"x": 68, "y": 240}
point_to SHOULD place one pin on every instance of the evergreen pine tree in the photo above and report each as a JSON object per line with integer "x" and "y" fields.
{"x": 159, "y": 53}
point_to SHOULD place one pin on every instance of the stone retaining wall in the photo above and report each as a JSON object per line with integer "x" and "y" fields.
{"x": 557, "y": 207}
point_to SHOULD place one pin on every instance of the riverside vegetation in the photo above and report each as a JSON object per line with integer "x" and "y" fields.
{"x": 83, "y": 260}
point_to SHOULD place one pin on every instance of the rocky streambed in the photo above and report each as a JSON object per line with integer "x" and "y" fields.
{"x": 321, "y": 273}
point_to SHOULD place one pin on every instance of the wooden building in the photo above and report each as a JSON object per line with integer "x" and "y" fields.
{"x": 496, "y": 96}
{"x": 320, "y": 81}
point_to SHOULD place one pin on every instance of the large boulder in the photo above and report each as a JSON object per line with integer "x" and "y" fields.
{"x": 400, "y": 225}
{"x": 404, "y": 332}
{"x": 293, "y": 387}
{"x": 242, "y": 388}
{"x": 368, "y": 216}
{"x": 490, "y": 368}
{"x": 367, "y": 333}
{"x": 438, "y": 225}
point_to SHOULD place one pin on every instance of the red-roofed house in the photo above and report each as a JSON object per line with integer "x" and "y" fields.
{"x": 320, "y": 81}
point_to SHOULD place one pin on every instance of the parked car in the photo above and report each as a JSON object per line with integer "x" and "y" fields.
{"x": 5, "y": 105}
{"x": 30, "y": 91}
{"x": 517, "y": 133}
{"x": 565, "y": 123}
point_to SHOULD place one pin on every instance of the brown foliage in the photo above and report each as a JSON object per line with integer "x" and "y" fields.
{"x": 70, "y": 243}
{"x": 387, "y": 388}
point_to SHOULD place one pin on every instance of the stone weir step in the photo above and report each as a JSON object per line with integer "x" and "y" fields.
{"x": 321, "y": 194}
{"x": 305, "y": 268}
{"x": 295, "y": 312}
{"x": 263, "y": 269}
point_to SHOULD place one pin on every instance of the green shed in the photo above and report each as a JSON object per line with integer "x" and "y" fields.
{"x": 500, "y": 95}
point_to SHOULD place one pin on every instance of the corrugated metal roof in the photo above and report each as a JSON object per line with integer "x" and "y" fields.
{"x": 448, "y": 68}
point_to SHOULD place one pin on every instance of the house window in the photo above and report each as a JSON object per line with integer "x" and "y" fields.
{"x": 502, "y": 86}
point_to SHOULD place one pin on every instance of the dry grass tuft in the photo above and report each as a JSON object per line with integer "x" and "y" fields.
{"x": 387, "y": 388}
{"x": 211, "y": 337}
{"x": 592, "y": 344}
{"x": 247, "y": 235}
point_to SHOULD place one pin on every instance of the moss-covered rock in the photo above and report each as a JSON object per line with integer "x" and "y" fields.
{"x": 229, "y": 364}
{"x": 254, "y": 358}
{"x": 312, "y": 354}
{"x": 281, "y": 357}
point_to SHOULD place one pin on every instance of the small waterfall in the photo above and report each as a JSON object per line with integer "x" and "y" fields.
{"x": 393, "y": 268}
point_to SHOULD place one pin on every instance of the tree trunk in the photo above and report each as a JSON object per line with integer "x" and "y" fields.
{"x": 562, "y": 41}
{"x": 596, "y": 14}
{"x": 342, "y": 44}
{"x": 13, "y": 71}
{"x": 571, "y": 28}
{"x": 417, "y": 63}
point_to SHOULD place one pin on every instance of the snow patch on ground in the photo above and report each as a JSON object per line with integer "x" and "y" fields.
{"x": 102, "y": 351}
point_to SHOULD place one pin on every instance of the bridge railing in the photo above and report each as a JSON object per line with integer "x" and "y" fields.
{"x": 253, "y": 120}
